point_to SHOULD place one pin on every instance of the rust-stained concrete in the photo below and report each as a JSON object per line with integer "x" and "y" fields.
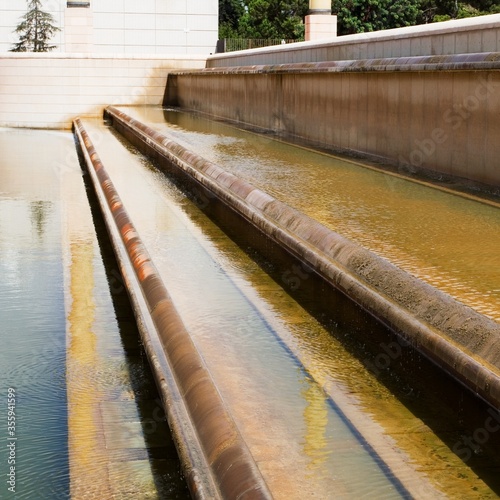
{"x": 109, "y": 403}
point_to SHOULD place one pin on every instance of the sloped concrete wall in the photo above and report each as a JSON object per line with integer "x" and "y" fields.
{"x": 434, "y": 114}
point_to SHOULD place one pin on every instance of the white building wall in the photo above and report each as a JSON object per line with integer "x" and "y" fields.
{"x": 124, "y": 26}
{"x": 48, "y": 90}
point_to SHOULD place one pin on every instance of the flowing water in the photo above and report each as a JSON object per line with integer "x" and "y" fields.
{"x": 32, "y": 318}
{"x": 317, "y": 421}
{"x": 447, "y": 240}
{"x": 276, "y": 404}
{"x": 87, "y": 420}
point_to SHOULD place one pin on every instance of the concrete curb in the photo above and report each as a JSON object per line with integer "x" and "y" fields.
{"x": 221, "y": 452}
{"x": 461, "y": 341}
{"x": 453, "y": 62}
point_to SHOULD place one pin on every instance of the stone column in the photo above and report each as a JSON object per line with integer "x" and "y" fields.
{"x": 78, "y": 27}
{"x": 320, "y": 23}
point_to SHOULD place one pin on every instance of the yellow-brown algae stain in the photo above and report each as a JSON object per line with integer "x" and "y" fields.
{"x": 87, "y": 449}
{"x": 316, "y": 420}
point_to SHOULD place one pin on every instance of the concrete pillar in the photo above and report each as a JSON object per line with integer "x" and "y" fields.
{"x": 78, "y": 27}
{"x": 319, "y": 22}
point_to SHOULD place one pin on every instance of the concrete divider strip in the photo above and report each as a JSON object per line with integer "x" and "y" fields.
{"x": 217, "y": 443}
{"x": 461, "y": 341}
{"x": 447, "y": 62}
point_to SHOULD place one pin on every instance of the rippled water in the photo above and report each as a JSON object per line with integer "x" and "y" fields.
{"x": 32, "y": 314}
{"x": 449, "y": 241}
{"x": 89, "y": 421}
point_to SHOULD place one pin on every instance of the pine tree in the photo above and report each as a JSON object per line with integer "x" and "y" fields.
{"x": 35, "y": 30}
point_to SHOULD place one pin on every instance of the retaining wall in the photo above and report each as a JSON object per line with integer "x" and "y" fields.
{"x": 462, "y": 342}
{"x": 430, "y": 113}
{"x": 46, "y": 90}
{"x": 461, "y": 36}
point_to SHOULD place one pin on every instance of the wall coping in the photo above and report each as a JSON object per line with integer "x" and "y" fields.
{"x": 77, "y": 55}
{"x": 454, "y": 62}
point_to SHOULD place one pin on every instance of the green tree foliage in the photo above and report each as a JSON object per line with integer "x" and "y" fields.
{"x": 273, "y": 19}
{"x": 434, "y": 10}
{"x": 357, "y": 16}
{"x": 35, "y": 29}
{"x": 285, "y": 19}
{"x": 230, "y": 12}
{"x": 443, "y": 10}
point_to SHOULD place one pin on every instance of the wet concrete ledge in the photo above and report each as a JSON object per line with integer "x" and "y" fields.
{"x": 216, "y": 460}
{"x": 459, "y": 340}
{"x": 454, "y": 62}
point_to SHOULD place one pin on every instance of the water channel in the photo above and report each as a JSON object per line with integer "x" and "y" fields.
{"x": 33, "y": 323}
{"x": 317, "y": 421}
{"x": 447, "y": 240}
{"x": 88, "y": 421}
{"x": 245, "y": 348}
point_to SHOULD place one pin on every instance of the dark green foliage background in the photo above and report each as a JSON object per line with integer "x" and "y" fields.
{"x": 284, "y": 19}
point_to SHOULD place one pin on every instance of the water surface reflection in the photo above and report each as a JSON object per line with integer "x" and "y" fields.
{"x": 32, "y": 313}
{"x": 88, "y": 421}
